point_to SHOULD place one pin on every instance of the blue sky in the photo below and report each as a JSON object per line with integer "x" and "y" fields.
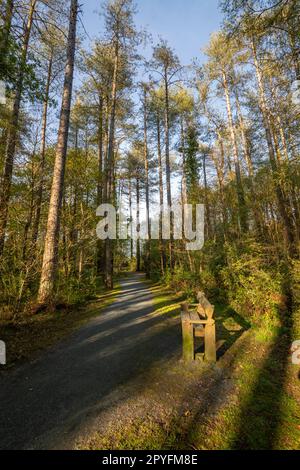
{"x": 185, "y": 24}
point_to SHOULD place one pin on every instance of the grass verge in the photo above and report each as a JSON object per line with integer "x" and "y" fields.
{"x": 251, "y": 400}
{"x": 263, "y": 410}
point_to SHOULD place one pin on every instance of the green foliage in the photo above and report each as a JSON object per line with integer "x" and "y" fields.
{"x": 243, "y": 276}
{"x": 254, "y": 289}
{"x": 182, "y": 281}
{"x": 191, "y": 162}
{"x": 76, "y": 290}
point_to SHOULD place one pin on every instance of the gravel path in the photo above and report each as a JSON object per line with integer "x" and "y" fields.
{"x": 49, "y": 402}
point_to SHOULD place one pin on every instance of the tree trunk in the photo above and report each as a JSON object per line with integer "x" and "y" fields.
{"x": 52, "y": 234}
{"x": 239, "y": 185}
{"x": 4, "y": 44}
{"x": 100, "y": 247}
{"x": 100, "y": 153}
{"x": 168, "y": 169}
{"x": 146, "y": 161}
{"x": 161, "y": 196}
{"x": 295, "y": 52}
{"x": 283, "y": 139}
{"x": 282, "y": 205}
{"x": 108, "y": 187}
{"x": 31, "y": 209}
{"x": 13, "y": 131}
{"x": 220, "y": 175}
{"x": 206, "y": 202}
{"x": 247, "y": 154}
{"x": 138, "y": 242}
{"x": 184, "y": 190}
{"x": 40, "y": 188}
{"x": 131, "y": 220}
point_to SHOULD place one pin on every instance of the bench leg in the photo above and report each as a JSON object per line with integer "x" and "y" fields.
{"x": 210, "y": 354}
{"x": 188, "y": 352}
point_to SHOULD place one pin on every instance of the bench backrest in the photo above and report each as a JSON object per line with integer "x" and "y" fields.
{"x": 204, "y": 309}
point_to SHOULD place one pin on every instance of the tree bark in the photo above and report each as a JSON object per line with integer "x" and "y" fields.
{"x": 52, "y": 234}
{"x": 108, "y": 187}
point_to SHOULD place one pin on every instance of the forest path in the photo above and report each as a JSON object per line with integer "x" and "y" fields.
{"x": 52, "y": 401}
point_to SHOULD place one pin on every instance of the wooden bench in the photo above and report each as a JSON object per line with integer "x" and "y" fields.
{"x": 198, "y": 322}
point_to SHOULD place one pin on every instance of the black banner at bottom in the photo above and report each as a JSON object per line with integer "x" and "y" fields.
{"x": 136, "y": 459}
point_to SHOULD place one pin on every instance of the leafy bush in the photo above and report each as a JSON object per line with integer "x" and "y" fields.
{"x": 72, "y": 291}
{"x": 182, "y": 281}
{"x": 254, "y": 289}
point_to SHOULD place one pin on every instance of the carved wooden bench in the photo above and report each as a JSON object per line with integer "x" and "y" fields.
{"x": 198, "y": 322}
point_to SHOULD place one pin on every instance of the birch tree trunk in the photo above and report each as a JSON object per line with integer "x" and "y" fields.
{"x": 52, "y": 233}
